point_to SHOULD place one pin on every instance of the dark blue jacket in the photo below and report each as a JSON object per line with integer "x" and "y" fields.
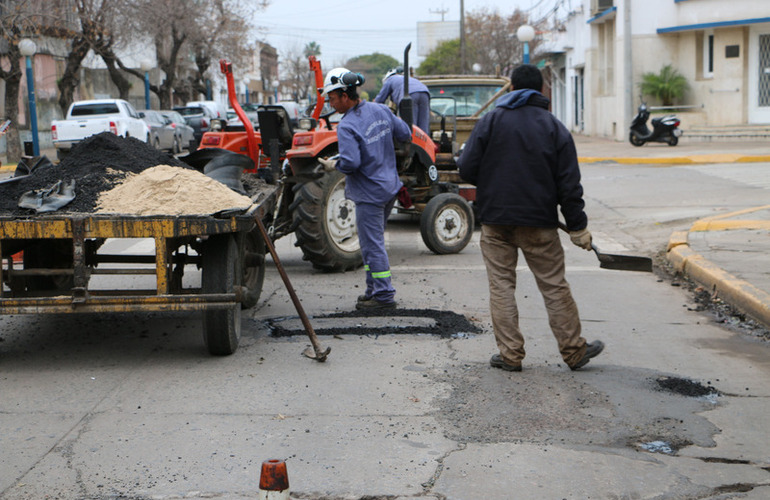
{"x": 524, "y": 164}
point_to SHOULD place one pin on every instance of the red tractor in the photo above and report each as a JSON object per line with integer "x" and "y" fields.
{"x": 311, "y": 203}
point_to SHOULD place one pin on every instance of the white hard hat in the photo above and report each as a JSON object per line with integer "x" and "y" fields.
{"x": 341, "y": 79}
{"x": 393, "y": 71}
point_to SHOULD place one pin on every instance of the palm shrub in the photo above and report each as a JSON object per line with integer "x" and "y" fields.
{"x": 668, "y": 85}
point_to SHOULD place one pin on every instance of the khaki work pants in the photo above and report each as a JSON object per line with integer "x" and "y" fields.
{"x": 545, "y": 257}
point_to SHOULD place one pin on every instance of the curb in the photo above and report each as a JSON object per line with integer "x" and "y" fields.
{"x": 737, "y": 292}
{"x": 677, "y": 160}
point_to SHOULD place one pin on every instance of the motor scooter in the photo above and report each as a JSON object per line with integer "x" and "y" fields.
{"x": 664, "y": 129}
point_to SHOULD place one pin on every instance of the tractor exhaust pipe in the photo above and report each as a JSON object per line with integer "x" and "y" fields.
{"x": 405, "y": 107}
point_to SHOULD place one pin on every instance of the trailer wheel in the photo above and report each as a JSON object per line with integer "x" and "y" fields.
{"x": 325, "y": 224}
{"x": 446, "y": 224}
{"x": 253, "y": 267}
{"x": 221, "y": 273}
{"x": 49, "y": 254}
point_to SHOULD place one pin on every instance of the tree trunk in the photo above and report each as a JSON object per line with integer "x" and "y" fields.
{"x": 116, "y": 75}
{"x": 70, "y": 80}
{"x": 12, "y": 86}
{"x": 12, "y": 78}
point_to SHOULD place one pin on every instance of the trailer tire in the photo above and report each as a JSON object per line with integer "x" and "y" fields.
{"x": 49, "y": 254}
{"x": 324, "y": 223}
{"x": 253, "y": 275}
{"x": 221, "y": 274}
{"x": 446, "y": 224}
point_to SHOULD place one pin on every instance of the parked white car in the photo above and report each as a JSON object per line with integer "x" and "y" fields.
{"x": 87, "y": 118}
{"x": 217, "y": 109}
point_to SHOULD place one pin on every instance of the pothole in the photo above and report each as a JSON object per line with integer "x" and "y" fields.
{"x": 445, "y": 324}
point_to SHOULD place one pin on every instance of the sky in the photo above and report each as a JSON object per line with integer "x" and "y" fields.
{"x": 349, "y": 28}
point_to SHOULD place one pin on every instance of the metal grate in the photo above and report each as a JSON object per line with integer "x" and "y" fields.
{"x": 764, "y": 70}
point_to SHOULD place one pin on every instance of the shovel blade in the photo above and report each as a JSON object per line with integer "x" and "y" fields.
{"x": 623, "y": 262}
{"x": 320, "y": 356}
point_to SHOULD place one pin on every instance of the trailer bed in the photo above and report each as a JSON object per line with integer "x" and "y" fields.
{"x": 61, "y": 254}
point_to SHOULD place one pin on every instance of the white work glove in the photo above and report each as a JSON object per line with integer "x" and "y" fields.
{"x": 581, "y": 238}
{"x": 329, "y": 164}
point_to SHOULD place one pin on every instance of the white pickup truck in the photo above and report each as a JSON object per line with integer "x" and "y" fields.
{"x": 87, "y": 118}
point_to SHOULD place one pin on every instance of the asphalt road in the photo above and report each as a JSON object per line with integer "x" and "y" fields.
{"x": 132, "y": 406}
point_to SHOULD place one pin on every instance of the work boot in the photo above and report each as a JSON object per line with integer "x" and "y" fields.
{"x": 497, "y": 361}
{"x": 362, "y": 298}
{"x": 593, "y": 349}
{"x": 372, "y": 303}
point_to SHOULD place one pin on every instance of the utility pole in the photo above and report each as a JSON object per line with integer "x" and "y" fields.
{"x": 462, "y": 37}
{"x": 439, "y": 11}
{"x": 628, "y": 67}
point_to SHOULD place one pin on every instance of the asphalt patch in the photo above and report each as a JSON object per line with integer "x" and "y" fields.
{"x": 685, "y": 387}
{"x": 446, "y": 324}
{"x": 603, "y": 405}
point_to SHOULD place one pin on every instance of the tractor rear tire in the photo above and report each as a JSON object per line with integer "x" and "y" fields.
{"x": 446, "y": 224}
{"x": 324, "y": 223}
{"x": 221, "y": 273}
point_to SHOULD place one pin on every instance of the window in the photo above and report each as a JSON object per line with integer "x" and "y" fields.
{"x": 708, "y": 54}
{"x": 606, "y": 58}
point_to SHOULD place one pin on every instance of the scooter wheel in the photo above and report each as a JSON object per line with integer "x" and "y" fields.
{"x": 635, "y": 140}
{"x": 673, "y": 140}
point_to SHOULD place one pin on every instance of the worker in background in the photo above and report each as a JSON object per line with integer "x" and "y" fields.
{"x": 366, "y": 135}
{"x": 524, "y": 164}
{"x": 393, "y": 88}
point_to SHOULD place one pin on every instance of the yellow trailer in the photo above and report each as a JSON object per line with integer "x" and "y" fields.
{"x": 61, "y": 252}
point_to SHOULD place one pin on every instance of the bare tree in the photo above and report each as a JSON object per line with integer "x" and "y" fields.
{"x": 296, "y": 71}
{"x": 206, "y": 31}
{"x": 494, "y": 42}
{"x": 20, "y": 19}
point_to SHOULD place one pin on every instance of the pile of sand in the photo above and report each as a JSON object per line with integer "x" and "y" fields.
{"x": 167, "y": 190}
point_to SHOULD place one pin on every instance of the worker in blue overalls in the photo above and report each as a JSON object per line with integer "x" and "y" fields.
{"x": 366, "y": 135}
{"x": 393, "y": 87}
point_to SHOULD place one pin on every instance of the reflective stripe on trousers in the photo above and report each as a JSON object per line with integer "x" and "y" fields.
{"x": 371, "y": 219}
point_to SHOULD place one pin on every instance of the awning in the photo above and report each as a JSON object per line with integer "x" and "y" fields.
{"x": 719, "y": 24}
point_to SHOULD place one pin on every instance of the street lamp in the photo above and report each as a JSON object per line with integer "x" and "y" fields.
{"x": 526, "y": 34}
{"x": 28, "y": 48}
{"x": 276, "y": 83}
{"x": 146, "y": 65}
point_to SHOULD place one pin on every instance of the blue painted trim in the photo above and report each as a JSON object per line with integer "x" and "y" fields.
{"x": 602, "y": 14}
{"x": 721, "y": 24}
{"x": 677, "y": 1}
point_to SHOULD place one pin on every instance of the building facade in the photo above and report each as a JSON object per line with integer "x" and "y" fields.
{"x": 603, "y": 48}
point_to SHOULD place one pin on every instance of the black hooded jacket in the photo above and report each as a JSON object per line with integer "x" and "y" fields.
{"x": 524, "y": 164}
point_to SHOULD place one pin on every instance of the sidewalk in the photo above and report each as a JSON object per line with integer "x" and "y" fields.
{"x": 728, "y": 254}
{"x": 592, "y": 150}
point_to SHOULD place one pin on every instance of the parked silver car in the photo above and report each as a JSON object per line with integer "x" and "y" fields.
{"x": 185, "y": 135}
{"x": 162, "y": 135}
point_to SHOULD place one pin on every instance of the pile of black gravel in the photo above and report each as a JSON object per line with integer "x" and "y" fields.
{"x": 96, "y": 164}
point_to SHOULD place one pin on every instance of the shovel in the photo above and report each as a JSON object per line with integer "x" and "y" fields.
{"x": 618, "y": 262}
{"x": 315, "y": 352}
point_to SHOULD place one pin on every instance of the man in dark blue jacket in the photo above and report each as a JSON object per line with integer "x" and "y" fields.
{"x": 524, "y": 164}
